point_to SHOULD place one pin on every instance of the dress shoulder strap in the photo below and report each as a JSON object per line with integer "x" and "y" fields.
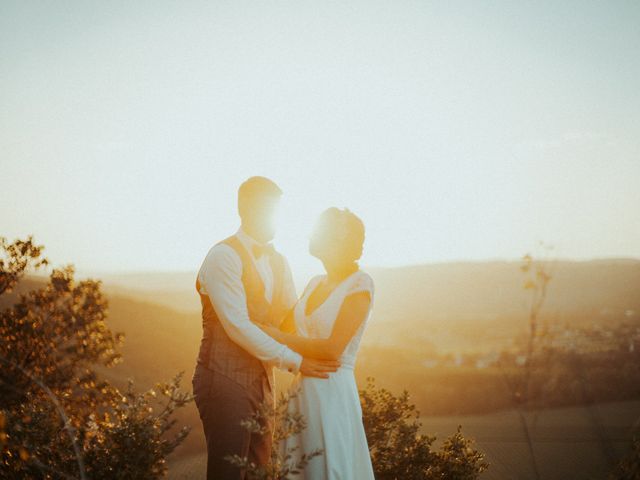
{"x": 360, "y": 282}
{"x": 311, "y": 285}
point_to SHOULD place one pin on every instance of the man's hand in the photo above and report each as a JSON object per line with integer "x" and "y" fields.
{"x": 318, "y": 368}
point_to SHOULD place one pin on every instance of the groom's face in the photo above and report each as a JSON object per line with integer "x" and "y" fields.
{"x": 261, "y": 218}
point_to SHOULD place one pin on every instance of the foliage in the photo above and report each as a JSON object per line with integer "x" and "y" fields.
{"x": 457, "y": 459}
{"x": 629, "y": 467}
{"x": 285, "y": 424}
{"x": 58, "y": 419}
{"x": 537, "y": 278}
{"x": 518, "y": 381}
{"x": 399, "y": 451}
{"x": 392, "y": 428}
{"x": 16, "y": 257}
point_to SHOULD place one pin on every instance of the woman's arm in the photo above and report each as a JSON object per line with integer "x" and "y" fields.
{"x": 352, "y": 313}
{"x": 288, "y": 325}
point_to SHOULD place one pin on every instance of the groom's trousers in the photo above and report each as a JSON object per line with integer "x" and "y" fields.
{"x": 223, "y": 404}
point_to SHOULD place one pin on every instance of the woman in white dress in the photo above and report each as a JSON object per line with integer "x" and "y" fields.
{"x": 329, "y": 320}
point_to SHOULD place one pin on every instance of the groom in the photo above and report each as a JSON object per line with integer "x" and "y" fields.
{"x": 244, "y": 281}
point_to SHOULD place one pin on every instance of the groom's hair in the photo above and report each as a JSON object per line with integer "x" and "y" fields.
{"x": 254, "y": 191}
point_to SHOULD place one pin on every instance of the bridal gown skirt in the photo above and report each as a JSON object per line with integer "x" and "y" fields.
{"x": 332, "y": 411}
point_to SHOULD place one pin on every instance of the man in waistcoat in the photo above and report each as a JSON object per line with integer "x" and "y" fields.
{"x": 243, "y": 282}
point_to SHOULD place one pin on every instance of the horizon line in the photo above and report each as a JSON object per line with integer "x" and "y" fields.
{"x": 378, "y": 267}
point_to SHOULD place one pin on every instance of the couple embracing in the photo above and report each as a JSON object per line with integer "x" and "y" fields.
{"x": 253, "y": 321}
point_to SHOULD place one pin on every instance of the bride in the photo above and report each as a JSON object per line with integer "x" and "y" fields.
{"x": 328, "y": 322}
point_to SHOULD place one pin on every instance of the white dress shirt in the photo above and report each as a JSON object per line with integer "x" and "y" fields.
{"x": 221, "y": 279}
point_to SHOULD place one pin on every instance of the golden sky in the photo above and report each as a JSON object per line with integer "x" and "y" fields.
{"x": 456, "y": 130}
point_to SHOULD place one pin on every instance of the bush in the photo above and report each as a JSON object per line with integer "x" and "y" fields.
{"x": 286, "y": 425}
{"x": 400, "y": 452}
{"x": 58, "y": 419}
{"x": 629, "y": 467}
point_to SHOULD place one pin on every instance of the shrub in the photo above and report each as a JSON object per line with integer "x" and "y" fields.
{"x": 400, "y": 452}
{"x": 58, "y": 418}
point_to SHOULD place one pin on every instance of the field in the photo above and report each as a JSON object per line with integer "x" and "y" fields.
{"x": 566, "y": 444}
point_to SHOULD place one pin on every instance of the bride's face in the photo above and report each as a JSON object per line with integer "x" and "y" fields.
{"x": 320, "y": 240}
{"x": 325, "y": 242}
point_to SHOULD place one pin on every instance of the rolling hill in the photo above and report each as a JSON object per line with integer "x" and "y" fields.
{"x": 445, "y": 307}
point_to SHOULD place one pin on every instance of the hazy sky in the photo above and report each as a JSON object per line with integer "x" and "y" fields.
{"x": 456, "y": 130}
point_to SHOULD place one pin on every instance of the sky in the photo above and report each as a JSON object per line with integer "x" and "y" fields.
{"x": 455, "y": 130}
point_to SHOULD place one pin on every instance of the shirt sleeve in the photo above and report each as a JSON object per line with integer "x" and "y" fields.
{"x": 221, "y": 279}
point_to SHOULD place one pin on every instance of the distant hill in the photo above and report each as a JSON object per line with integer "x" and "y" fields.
{"x": 445, "y": 307}
{"x": 484, "y": 290}
{"x": 454, "y": 305}
{"x": 172, "y": 289}
{"x": 445, "y": 304}
{"x": 449, "y": 306}
{"x": 159, "y": 343}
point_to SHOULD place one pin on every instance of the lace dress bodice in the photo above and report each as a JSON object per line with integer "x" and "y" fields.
{"x": 319, "y": 323}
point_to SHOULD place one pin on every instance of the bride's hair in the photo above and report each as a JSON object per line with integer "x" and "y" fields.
{"x": 347, "y": 231}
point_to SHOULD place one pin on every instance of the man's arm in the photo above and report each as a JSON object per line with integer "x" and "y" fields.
{"x": 221, "y": 279}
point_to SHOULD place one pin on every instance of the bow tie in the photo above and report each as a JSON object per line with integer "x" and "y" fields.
{"x": 259, "y": 250}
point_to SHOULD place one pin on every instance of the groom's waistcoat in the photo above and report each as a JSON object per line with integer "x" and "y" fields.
{"x": 217, "y": 351}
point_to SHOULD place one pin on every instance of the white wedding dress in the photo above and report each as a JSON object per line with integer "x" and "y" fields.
{"x": 331, "y": 407}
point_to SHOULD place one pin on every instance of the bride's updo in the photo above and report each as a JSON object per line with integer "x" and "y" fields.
{"x": 338, "y": 236}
